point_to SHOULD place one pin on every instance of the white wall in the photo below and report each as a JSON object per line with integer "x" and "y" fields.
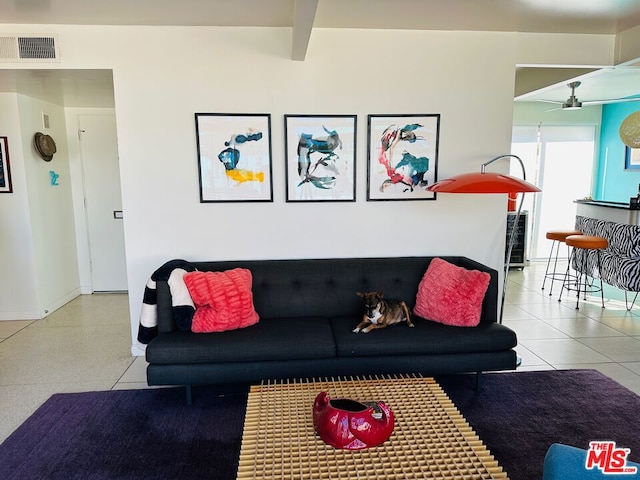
{"x": 162, "y": 76}
{"x": 345, "y": 72}
{"x": 50, "y": 207}
{"x": 40, "y": 268}
{"x": 18, "y": 296}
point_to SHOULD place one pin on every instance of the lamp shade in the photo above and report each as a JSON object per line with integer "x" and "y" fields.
{"x": 482, "y": 182}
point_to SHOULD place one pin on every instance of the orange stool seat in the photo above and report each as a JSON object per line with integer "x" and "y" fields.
{"x": 589, "y": 242}
{"x": 560, "y": 235}
{"x": 582, "y": 267}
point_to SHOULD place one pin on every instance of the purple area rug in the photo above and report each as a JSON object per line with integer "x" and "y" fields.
{"x": 519, "y": 415}
{"x": 152, "y": 434}
{"x": 129, "y": 434}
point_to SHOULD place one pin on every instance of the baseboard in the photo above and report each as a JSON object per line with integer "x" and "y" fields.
{"x": 60, "y": 302}
{"x": 8, "y": 316}
{"x": 137, "y": 350}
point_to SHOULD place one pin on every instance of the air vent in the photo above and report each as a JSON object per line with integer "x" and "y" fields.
{"x": 29, "y": 48}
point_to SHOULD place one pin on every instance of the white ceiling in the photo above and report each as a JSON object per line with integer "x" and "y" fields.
{"x": 602, "y": 84}
{"x": 546, "y": 16}
{"x": 563, "y": 16}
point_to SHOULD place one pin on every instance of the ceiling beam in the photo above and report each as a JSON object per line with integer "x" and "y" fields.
{"x": 531, "y": 79}
{"x": 304, "y": 15}
{"x": 628, "y": 47}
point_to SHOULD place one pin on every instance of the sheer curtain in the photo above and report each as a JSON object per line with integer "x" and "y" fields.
{"x": 560, "y": 160}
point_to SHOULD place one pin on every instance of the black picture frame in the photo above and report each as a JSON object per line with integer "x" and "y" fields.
{"x": 320, "y": 158}
{"x": 5, "y": 167}
{"x": 234, "y": 157}
{"x": 402, "y": 157}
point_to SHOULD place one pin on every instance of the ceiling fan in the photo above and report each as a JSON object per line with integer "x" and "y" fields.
{"x": 572, "y": 103}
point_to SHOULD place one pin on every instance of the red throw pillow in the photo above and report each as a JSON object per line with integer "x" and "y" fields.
{"x": 223, "y": 300}
{"x": 451, "y": 295}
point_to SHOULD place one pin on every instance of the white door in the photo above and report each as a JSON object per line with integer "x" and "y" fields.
{"x": 103, "y": 202}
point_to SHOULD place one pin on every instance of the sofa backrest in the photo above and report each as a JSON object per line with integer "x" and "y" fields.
{"x": 327, "y": 287}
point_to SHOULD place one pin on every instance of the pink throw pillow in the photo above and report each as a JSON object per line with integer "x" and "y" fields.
{"x": 451, "y": 295}
{"x": 223, "y": 300}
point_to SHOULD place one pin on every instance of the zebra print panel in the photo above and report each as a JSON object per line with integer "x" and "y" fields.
{"x": 620, "y": 260}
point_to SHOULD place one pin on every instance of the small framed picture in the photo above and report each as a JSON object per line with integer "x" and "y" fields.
{"x": 234, "y": 157}
{"x": 402, "y": 157}
{"x": 5, "y": 167}
{"x": 320, "y": 158}
{"x": 631, "y": 158}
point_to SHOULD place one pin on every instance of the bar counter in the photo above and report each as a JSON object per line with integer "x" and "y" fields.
{"x": 612, "y": 211}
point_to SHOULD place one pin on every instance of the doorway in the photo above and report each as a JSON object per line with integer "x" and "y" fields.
{"x": 103, "y": 201}
{"x": 559, "y": 159}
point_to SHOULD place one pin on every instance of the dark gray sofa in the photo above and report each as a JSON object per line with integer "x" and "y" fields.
{"x": 308, "y": 309}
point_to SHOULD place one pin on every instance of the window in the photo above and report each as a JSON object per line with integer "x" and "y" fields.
{"x": 560, "y": 161}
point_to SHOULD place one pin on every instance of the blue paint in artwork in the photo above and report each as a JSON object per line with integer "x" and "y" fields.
{"x": 240, "y": 138}
{"x": 417, "y": 166}
{"x": 321, "y": 145}
{"x": 229, "y": 158}
{"x": 417, "y": 163}
{"x": 407, "y": 134}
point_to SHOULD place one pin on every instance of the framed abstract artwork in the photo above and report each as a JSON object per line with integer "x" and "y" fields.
{"x": 234, "y": 157}
{"x": 5, "y": 167}
{"x": 631, "y": 158}
{"x": 402, "y": 156}
{"x": 320, "y": 157}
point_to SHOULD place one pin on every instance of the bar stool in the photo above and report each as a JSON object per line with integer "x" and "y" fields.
{"x": 558, "y": 237}
{"x": 583, "y": 244}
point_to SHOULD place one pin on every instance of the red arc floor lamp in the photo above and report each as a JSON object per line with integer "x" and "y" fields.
{"x": 488, "y": 182}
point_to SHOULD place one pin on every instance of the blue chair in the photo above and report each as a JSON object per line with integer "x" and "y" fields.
{"x": 564, "y": 462}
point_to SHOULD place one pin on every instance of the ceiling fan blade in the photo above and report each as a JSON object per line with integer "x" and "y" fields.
{"x": 613, "y": 100}
{"x": 556, "y": 102}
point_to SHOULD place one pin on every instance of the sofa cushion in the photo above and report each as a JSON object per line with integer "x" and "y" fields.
{"x": 451, "y": 295}
{"x": 223, "y": 300}
{"x": 271, "y": 339}
{"x": 425, "y": 338}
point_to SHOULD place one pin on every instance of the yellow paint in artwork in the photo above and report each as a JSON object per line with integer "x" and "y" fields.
{"x": 245, "y": 176}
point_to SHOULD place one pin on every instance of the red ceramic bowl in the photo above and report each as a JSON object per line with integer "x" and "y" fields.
{"x": 352, "y": 425}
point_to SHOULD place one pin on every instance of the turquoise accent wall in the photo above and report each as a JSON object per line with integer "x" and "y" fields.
{"x": 614, "y": 183}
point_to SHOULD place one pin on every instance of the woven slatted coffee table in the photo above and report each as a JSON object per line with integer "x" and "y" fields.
{"x": 431, "y": 439}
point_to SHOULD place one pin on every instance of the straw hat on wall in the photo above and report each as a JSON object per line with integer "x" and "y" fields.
{"x": 45, "y": 146}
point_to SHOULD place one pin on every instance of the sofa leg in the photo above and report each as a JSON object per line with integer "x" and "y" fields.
{"x": 478, "y": 386}
{"x": 188, "y": 392}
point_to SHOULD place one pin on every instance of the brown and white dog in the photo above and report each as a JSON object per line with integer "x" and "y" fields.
{"x": 380, "y": 313}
